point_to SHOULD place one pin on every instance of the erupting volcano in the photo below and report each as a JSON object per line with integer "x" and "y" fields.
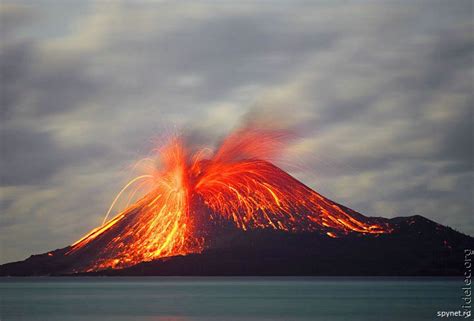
{"x": 193, "y": 193}
{"x": 260, "y": 220}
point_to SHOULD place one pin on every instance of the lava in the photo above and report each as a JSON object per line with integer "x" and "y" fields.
{"x": 190, "y": 189}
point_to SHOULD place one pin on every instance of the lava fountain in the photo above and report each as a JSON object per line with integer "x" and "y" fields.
{"x": 191, "y": 190}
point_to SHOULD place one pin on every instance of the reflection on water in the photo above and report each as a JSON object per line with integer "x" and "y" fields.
{"x": 226, "y": 298}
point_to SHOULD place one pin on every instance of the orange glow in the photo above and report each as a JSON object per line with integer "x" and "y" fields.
{"x": 236, "y": 183}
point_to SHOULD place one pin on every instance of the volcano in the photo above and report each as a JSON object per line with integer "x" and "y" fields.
{"x": 233, "y": 212}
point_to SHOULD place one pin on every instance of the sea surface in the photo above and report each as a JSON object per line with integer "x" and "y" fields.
{"x": 227, "y": 298}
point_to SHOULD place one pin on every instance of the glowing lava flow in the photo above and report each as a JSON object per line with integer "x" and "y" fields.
{"x": 235, "y": 184}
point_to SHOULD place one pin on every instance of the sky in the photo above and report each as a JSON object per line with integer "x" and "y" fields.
{"x": 379, "y": 94}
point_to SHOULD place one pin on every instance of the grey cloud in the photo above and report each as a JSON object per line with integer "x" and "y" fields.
{"x": 27, "y": 156}
{"x": 457, "y": 141}
{"x": 37, "y": 86}
{"x": 31, "y": 156}
{"x": 224, "y": 52}
{"x": 13, "y": 18}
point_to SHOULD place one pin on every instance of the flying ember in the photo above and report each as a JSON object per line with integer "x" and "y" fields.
{"x": 190, "y": 191}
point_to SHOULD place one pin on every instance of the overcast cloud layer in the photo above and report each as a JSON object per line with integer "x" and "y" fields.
{"x": 380, "y": 95}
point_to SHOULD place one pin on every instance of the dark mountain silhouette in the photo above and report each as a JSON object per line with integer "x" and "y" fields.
{"x": 417, "y": 246}
{"x": 280, "y": 227}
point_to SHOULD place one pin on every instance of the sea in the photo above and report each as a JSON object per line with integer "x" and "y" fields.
{"x": 228, "y": 298}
